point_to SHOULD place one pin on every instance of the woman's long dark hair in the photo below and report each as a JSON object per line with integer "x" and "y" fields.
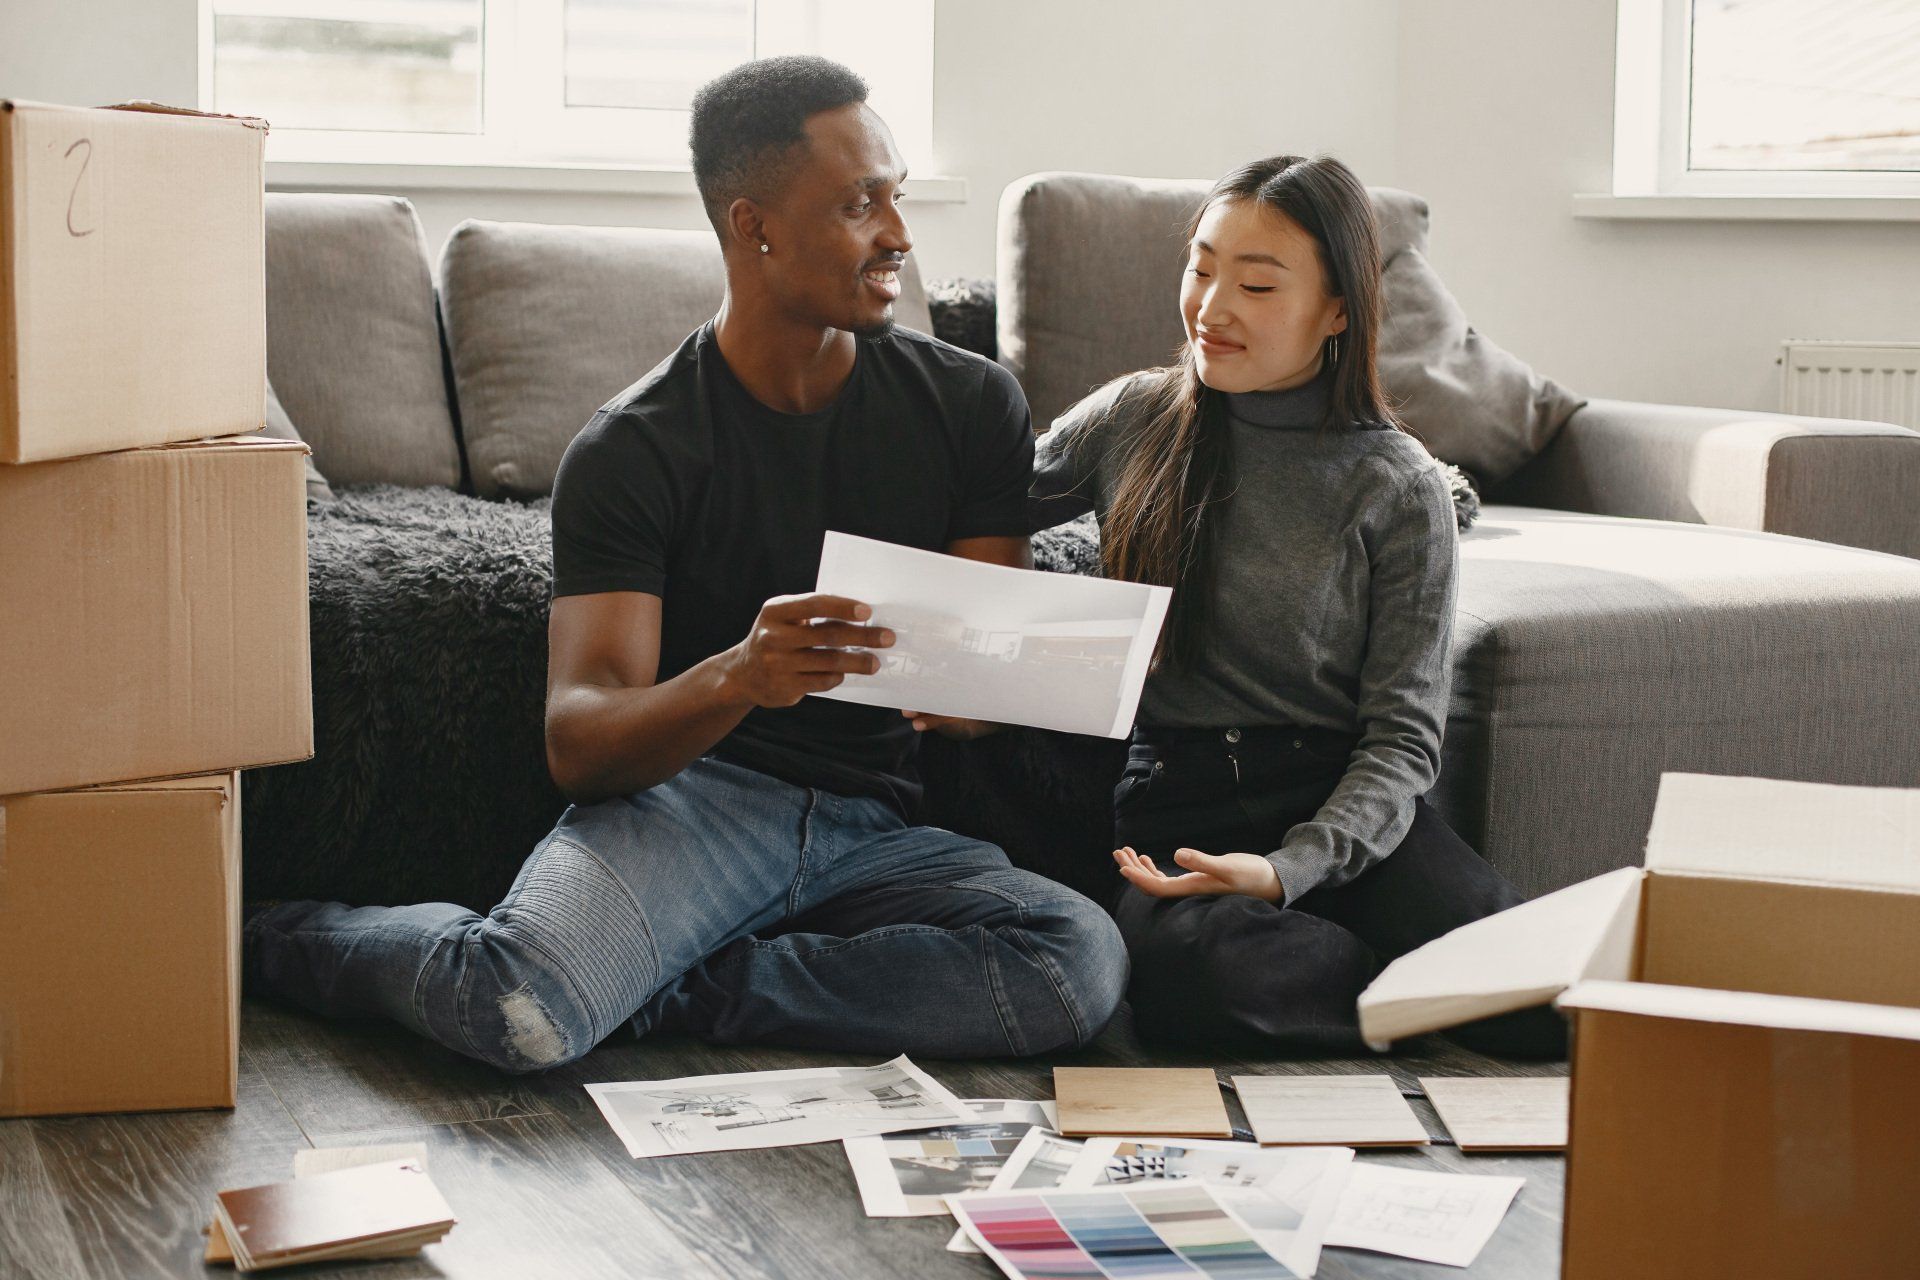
{"x": 1160, "y": 526}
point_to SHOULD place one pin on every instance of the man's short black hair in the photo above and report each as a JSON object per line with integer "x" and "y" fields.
{"x": 749, "y": 123}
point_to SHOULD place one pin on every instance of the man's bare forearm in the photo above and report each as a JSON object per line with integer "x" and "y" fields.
{"x": 607, "y": 741}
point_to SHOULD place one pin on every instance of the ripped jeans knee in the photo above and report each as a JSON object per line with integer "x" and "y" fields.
{"x": 531, "y": 1035}
{"x": 495, "y": 999}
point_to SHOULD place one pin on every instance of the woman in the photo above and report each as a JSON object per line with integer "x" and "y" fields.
{"x": 1276, "y": 845}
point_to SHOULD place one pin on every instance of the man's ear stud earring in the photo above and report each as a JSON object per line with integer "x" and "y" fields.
{"x": 765, "y": 247}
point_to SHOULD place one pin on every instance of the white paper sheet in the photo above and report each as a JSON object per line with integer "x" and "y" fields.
{"x": 1042, "y": 1160}
{"x": 1284, "y": 1196}
{"x": 910, "y": 1175}
{"x": 774, "y": 1108}
{"x": 1016, "y": 646}
{"x": 1433, "y": 1217}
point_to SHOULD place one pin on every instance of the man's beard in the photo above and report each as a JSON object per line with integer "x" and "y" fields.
{"x": 878, "y": 330}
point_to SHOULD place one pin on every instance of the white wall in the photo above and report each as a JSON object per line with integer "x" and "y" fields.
{"x": 91, "y": 52}
{"x": 1146, "y": 88}
{"x": 1505, "y": 111}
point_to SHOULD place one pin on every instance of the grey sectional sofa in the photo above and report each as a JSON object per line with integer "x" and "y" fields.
{"x": 1595, "y": 650}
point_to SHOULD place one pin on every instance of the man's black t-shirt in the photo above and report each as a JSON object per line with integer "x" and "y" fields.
{"x": 686, "y": 487}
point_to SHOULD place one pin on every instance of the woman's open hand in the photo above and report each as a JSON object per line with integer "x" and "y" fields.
{"x": 1247, "y": 873}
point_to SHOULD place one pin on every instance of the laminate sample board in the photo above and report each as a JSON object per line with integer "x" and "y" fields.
{"x": 1181, "y": 1102}
{"x": 1322, "y": 1110}
{"x": 1501, "y": 1113}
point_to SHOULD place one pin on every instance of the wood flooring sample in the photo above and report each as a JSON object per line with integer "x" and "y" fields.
{"x": 1178, "y": 1102}
{"x": 1501, "y": 1113}
{"x": 1346, "y": 1111}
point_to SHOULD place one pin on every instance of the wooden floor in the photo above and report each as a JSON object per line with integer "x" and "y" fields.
{"x": 544, "y": 1188}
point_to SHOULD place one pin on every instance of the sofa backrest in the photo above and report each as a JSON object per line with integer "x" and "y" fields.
{"x": 353, "y": 341}
{"x": 547, "y": 323}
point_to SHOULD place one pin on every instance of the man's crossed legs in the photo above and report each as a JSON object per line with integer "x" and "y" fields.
{"x": 725, "y": 903}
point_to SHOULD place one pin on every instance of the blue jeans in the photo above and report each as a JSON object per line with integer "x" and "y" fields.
{"x": 731, "y": 905}
{"x": 1237, "y": 971}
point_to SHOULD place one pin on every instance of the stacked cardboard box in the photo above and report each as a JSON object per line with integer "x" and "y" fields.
{"x": 153, "y": 599}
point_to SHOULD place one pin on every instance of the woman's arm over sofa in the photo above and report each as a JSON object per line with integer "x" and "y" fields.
{"x": 1831, "y": 479}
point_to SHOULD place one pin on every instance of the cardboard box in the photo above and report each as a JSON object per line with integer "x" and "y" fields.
{"x": 1746, "y": 1032}
{"x": 132, "y": 278}
{"x": 119, "y": 947}
{"x": 153, "y": 614}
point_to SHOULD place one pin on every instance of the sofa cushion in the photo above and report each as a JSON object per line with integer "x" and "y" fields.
{"x": 1475, "y": 404}
{"x": 1594, "y": 653}
{"x": 546, "y": 324}
{"x": 353, "y": 340}
{"x": 1068, "y": 321}
{"x": 280, "y": 427}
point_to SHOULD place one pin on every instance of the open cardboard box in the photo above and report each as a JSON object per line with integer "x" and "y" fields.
{"x": 1746, "y": 1032}
{"x": 119, "y": 947}
{"x": 132, "y": 277}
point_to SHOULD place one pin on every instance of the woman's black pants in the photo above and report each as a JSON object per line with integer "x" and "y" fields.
{"x": 1240, "y": 972}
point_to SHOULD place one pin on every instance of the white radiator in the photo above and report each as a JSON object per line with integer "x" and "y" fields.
{"x": 1877, "y": 381}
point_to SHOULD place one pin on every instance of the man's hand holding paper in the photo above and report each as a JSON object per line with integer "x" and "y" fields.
{"x": 986, "y": 642}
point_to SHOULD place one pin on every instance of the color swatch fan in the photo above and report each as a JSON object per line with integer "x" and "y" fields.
{"x": 376, "y": 1210}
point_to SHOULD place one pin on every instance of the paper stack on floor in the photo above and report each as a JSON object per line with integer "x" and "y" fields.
{"x": 153, "y": 598}
{"x": 1040, "y": 1203}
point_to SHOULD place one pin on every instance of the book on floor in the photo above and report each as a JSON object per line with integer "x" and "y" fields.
{"x": 376, "y": 1210}
{"x": 311, "y": 1160}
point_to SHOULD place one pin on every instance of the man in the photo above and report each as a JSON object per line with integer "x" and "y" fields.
{"x": 737, "y": 861}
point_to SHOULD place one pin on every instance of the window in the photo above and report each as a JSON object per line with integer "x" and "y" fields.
{"x": 1767, "y": 97}
{"x": 536, "y": 82}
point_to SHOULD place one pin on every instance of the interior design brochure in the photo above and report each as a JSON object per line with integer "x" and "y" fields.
{"x": 1433, "y": 1217}
{"x": 1017, "y": 646}
{"x": 1284, "y": 1196}
{"x": 774, "y": 1108}
{"x": 910, "y": 1175}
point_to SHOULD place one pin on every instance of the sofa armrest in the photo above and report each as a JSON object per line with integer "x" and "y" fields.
{"x": 1832, "y": 479}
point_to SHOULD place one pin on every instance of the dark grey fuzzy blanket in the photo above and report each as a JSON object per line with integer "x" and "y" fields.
{"x": 429, "y": 778}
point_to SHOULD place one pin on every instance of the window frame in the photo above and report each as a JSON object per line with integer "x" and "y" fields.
{"x": 517, "y": 128}
{"x": 1652, "y": 110}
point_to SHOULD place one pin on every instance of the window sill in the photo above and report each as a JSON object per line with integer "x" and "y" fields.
{"x": 1744, "y": 208}
{"x": 586, "y": 179}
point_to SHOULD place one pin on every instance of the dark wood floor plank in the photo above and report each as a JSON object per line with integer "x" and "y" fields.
{"x": 533, "y": 1200}
{"x": 351, "y": 1076}
{"x": 744, "y": 1213}
{"x": 36, "y": 1241}
{"x": 138, "y": 1189}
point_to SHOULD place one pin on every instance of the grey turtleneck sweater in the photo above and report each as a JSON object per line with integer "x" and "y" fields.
{"x": 1332, "y": 603}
